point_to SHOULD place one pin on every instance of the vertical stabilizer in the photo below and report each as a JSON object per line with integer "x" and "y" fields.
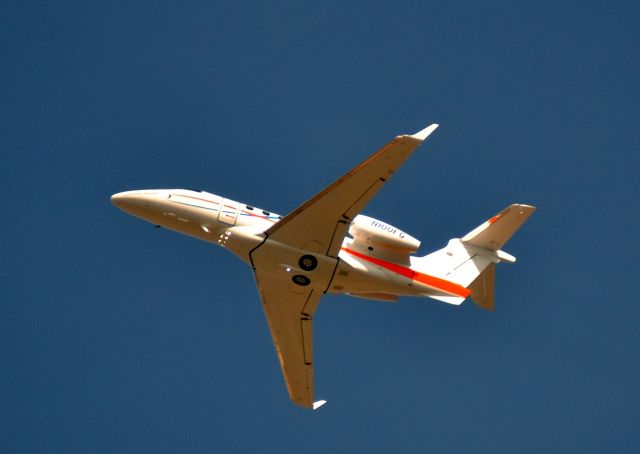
{"x": 482, "y": 288}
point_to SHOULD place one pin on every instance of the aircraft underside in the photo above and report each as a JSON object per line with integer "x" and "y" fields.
{"x": 326, "y": 246}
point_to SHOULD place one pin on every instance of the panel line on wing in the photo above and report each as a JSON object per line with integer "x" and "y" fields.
{"x": 363, "y": 196}
{"x": 266, "y": 237}
{"x": 335, "y": 268}
{"x": 303, "y": 311}
{"x": 343, "y": 226}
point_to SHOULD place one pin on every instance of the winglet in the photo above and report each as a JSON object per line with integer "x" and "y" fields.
{"x": 319, "y": 403}
{"x": 421, "y": 135}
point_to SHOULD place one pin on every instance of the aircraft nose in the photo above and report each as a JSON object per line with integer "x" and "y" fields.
{"x": 139, "y": 200}
{"x": 129, "y": 200}
{"x": 119, "y": 199}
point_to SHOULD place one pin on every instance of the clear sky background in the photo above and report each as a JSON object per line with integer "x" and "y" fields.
{"x": 115, "y": 337}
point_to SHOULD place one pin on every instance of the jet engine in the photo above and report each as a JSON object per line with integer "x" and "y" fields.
{"x": 377, "y": 238}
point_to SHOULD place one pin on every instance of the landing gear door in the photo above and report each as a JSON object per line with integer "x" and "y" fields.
{"x": 228, "y": 213}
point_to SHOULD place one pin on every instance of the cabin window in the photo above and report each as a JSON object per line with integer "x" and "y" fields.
{"x": 266, "y": 213}
{"x": 249, "y": 207}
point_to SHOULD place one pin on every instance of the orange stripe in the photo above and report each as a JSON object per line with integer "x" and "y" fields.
{"x": 431, "y": 281}
{"x": 494, "y": 219}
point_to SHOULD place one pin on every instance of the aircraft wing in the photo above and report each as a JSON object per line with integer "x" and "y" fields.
{"x": 321, "y": 223}
{"x": 289, "y": 310}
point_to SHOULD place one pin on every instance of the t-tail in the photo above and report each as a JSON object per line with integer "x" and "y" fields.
{"x": 470, "y": 261}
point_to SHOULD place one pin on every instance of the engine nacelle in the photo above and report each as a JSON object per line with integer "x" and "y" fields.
{"x": 371, "y": 232}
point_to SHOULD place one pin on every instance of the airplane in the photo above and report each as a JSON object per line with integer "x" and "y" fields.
{"x": 326, "y": 246}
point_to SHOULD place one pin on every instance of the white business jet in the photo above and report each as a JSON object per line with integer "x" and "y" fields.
{"x": 326, "y": 246}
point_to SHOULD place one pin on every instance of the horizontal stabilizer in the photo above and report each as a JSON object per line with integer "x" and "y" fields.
{"x": 495, "y": 232}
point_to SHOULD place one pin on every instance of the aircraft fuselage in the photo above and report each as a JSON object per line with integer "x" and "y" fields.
{"x": 240, "y": 228}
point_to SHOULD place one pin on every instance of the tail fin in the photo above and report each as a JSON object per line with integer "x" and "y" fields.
{"x": 470, "y": 261}
{"x": 482, "y": 288}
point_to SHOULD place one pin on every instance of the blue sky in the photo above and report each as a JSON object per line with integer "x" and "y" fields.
{"x": 115, "y": 337}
